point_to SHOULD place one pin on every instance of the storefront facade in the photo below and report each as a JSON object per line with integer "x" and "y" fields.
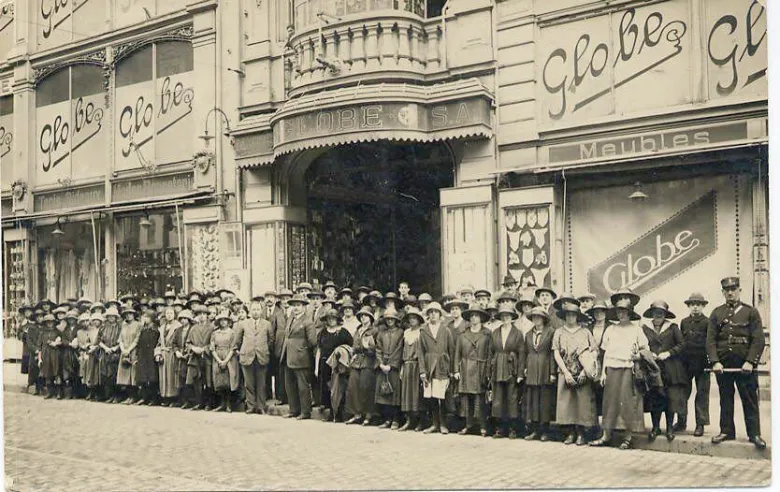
{"x": 645, "y": 142}
{"x": 105, "y": 183}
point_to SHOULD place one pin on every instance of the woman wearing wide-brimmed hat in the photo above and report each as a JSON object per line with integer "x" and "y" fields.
{"x": 411, "y": 389}
{"x": 436, "y": 356}
{"x": 362, "y": 378}
{"x": 621, "y": 344}
{"x": 389, "y": 358}
{"x": 575, "y": 406}
{"x": 225, "y": 365}
{"x": 129, "y": 335}
{"x": 598, "y": 314}
{"x": 183, "y": 352}
{"x": 538, "y": 367}
{"x": 457, "y": 324}
{"x": 31, "y": 338}
{"x": 665, "y": 341}
{"x": 332, "y": 336}
{"x": 91, "y": 375}
{"x": 472, "y": 351}
{"x": 348, "y": 319}
{"x": 506, "y": 343}
{"x": 49, "y": 360}
{"x": 80, "y": 344}
{"x": 146, "y": 370}
{"x": 523, "y": 306}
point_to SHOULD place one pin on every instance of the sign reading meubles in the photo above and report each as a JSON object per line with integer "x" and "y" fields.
{"x": 670, "y": 248}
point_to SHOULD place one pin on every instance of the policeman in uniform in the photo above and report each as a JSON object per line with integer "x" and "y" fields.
{"x": 735, "y": 340}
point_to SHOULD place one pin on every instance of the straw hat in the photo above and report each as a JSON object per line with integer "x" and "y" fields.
{"x": 393, "y": 315}
{"x": 538, "y": 311}
{"x": 72, "y": 314}
{"x": 49, "y": 318}
{"x": 525, "y": 298}
{"x": 565, "y": 299}
{"x": 476, "y": 309}
{"x": 366, "y": 311}
{"x": 623, "y": 303}
{"x": 425, "y": 297}
{"x": 434, "y": 306}
{"x": 507, "y": 310}
{"x": 463, "y": 305}
{"x": 414, "y": 312}
{"x": 506, "y": 295}
{"x": 570, "y": 308}
{"x": 697, "y": 298}
{"x": 60, "y": 309}
{"x": 596, "y": 306}
{"x": 112, "y": 311}
{"x": 624, "y": 293}
{"x": 348, "y": 304}
{"x": 96, "y": 317}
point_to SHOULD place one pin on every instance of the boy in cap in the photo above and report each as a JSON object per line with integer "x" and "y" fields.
{"x": 694, "y": 355}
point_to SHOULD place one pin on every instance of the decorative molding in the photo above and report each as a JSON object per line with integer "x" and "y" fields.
{"x": 122, "y": 51}
{"x": 96, "y": 58}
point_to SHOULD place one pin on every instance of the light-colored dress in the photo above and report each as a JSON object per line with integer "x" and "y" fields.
{"x": 128, "y": 337}
{"x": 169, "y": 378}
{"x": 575, "y": 405}
{"x": 221, "y": 345}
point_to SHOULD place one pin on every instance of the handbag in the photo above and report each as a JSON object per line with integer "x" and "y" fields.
{"x": 127, "y": 361}
{"x": 385, "y": 388}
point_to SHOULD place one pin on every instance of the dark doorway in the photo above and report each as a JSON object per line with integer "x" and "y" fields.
{"x": 374, "y": 215}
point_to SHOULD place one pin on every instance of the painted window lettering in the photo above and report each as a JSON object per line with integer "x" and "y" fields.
{"x": 728, "y": 31}
{"x": 53, "y": 13}
{"x": 657, "y": 41}
{"x": 6, "y": 139}
{"x": 54, "y": 135}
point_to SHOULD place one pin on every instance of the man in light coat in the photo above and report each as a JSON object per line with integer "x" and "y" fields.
{"x": 254, "y": 340}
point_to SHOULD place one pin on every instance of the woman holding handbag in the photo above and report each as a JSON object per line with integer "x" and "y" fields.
{"x": 621, "y": 344}
{"x": 575, "y": 404}
{"x": 389, "y": 347}
{"x": 361, "y": 387}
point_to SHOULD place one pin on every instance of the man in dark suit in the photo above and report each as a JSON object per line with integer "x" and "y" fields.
{"x": 274, "y": 314}
{"x": 735, "y": 342}
{"x": 253, "y": 341}
{"x": 297, "y": 352}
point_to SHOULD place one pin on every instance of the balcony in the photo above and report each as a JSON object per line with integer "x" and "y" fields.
{"x": 366, "y": 46}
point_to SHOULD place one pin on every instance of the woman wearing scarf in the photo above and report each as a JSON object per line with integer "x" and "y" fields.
{"x": 362, "y": 378}
{"x": 621, "y": 343}
{"x": 165, "y": 356}
{"x": 109, "y": 354}
{"x": 666, "y": 343}
{"x": 146, "y": 372}
{"x": 332, "y": 336}
{"x": 389, "y": 346}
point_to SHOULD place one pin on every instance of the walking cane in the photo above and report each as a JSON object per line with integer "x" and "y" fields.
{"x": 724, "y": 370}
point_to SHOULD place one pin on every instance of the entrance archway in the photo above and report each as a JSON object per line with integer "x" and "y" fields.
{"x": 374, "y": 214}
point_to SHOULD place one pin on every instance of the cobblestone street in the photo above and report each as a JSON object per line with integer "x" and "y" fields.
{"x": 68, "y": 445}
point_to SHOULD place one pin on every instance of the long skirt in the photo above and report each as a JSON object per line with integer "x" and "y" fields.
{"x": 324, "y": 374}
{"x": 474, "y": 408}
{"x": 539, "y": 404}
{"x": 393, "y": 398}
{"x": 622, "y": 407}
{"x": 69, "y": 364}
{"x": 109, "y": 364}
{"x": 672, "y": 399}
{"x": 50, "y": 363}
{"x": 360, "y": 391}
{"x": 411, "y": 387}
{"x": 575, "y": 406}
{"x": 506, "y": 397}
{"x": 169, "y": 375}
{"x": 91, "y": 366}
{"x": 338, "y": 390}
{"x": 33, "y": 370}
{"x": 598, "y": 394}
{"x": 126, "y": 373}
{"x": 227, "y": 378}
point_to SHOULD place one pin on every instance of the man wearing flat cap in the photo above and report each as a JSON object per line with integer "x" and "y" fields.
{"x": 735, "y": 342}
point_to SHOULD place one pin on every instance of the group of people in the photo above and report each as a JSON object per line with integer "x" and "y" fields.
{"x": 513, "y": 364}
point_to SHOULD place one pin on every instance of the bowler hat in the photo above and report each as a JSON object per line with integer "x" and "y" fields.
{"x": 696, "y": 297}
{"x": 315, "y": 294}
{"x": 729, "y": 282}
{"x": 624, "y": 292}
{"x": 508, "y": 280}
{"x": 303, "y": 285}
{"x": 285, "y": 293}
{"x": 476, "y": 309}
{"x": 659, "y": 305}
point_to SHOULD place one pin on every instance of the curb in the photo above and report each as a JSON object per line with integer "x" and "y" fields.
{"x": 683, "y": 443}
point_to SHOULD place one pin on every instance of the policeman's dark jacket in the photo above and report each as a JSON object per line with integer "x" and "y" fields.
{"x": 735, "y": 335}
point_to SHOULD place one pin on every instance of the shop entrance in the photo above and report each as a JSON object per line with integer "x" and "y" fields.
{"x": 374, "y": 214}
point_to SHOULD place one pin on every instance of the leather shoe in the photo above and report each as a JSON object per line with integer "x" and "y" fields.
{"x": 758, "y": 442}
{"x": 290, "y": 416}
{"x": 545, "y": 437}
{"x": 699, "y": 431}
{"x": 722, "y": 437}
{"x": 303, "y": 417}
{"x": 532, "y": 436}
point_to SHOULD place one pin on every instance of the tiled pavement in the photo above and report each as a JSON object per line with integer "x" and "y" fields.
{"x": 67, "y": 445}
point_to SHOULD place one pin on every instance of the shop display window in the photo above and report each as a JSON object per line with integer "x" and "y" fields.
{"x": 15, "y": 291}
{"x": 147, "y": 254}
{"x": 66, "y": 262}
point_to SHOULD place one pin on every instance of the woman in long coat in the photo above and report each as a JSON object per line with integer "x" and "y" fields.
{"x": 109, "y": 354}
{"x": 538, "y": 367}
{"x": 128, "y": 343}
{"x": 147, "y": 373}
{"x": 362, "y": 378}
{"x": 165, "y": 356}
{"x": 50, "y": 361}
{"x": 506, "y": 343}
{"x": 91, "y": 374}
{"x": 80, "y": 346}
{"x": 389, "y": 358}
{"x": 183, "y": 352}
{"x": 666, "y": 342}
{"x": 69, "y": 362}
{"x": 411, "y": 389}
{"x": 225, "y": 367}
{"x": 621, "y": 344}
{"x": 472, "y": 350}
{"x": 328, "y": 339}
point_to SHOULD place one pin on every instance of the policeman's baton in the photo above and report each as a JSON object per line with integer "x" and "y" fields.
{"x": 724, "y": 370}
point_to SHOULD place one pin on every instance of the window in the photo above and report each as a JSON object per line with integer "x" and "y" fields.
{"x": 6, "y": 140}
{"x": 306, "y": 10}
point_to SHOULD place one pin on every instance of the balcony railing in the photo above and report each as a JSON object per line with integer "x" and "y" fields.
{"x": 391, "y": 44}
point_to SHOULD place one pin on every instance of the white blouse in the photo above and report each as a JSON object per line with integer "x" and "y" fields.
{"x": 618, "y": 343}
